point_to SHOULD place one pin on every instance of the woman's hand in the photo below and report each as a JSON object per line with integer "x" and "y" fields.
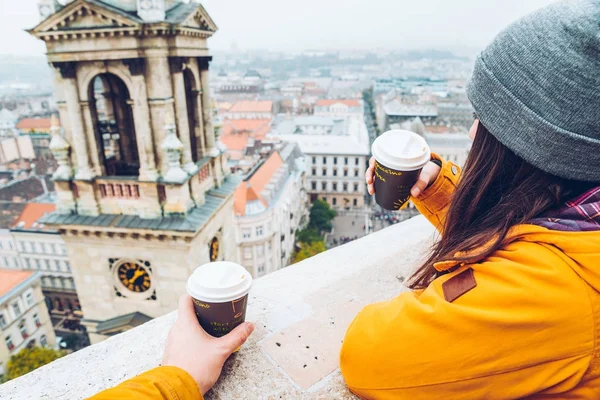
{"x": 428, "y": 175}
{"x": 190, "y": 348}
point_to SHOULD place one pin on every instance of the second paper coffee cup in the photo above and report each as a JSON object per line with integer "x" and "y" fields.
{"x": 220, "y": 295}
{"x": 399, "y": 158}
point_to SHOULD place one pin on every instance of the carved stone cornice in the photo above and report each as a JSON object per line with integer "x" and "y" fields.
{"x": 178, "y": 64}
{"x": 68, "y": 70}
{"x": 203, "y": 62}
{"x": 135, "y": 65}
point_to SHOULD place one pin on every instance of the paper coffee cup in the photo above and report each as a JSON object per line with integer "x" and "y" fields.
{"x": 399, "y": 158}
{"x": 220, "y": 295}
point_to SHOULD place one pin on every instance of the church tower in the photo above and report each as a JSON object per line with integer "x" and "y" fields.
{"x": 144, "y": 194}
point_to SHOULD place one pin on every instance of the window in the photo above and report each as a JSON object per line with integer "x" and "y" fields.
{"x": 345, "y": 172}
{"x": 4, "y": 261}
{"x": 42, "y": 247}
{"x": 355, "y": 202}
{"x": 17, "y": 309}
{"x": 260, "y": 251}
{"x": 9, "y": 342}
{"x": 259, "y": 231}
{"x": 324, "y": 171}
{"x": 10, "y": 245}
{"x": 57, "y": 265}
{"x": 334, "y": 186}
{"x": 356, "y": 172}
{"x": 29, "y": 299}
{"x": 335, "y": 172}
{"x": 27, "y": 263}
{"x": 314, "y": 185}
{"x": 356, "y": 187}
{"x": 314, "y": 171}
{"x": 261, "y": 270}
{"x": 2, "y": 321}
{"x": 47, "y": 262}
{"x": 21, "y": 245}
{"x": 334, "y": 201}
{"x": 246, "y": 233}
{"x": 334, "y": 160}
{"x": 68, "y": 266}
{"x": 52, "y": 248}
{"x": 36, "y": 320}
{"x": 345, "y": 187}
{"x": 324, "y": 198}
{"x": 1, "y": 246}
{"x": 356, "y": 161}
{"x": 324, "y": 160}
{"x": 314, "y": 160}
{"x": 345, "y": 160}
{"x": 63, "y": 249}
{"x": 23, "y": 330}
{"x": 247, "y": 253}
{"x": 323, "y": 185}
{"x": 33, "y": 247}
{"x": 37, "y": 263}
{"x": 43, "y": 340}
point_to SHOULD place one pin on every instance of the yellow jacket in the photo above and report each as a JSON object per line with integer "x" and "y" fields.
{"x": 523, "y": 323}
{"x": 168, "y": 383}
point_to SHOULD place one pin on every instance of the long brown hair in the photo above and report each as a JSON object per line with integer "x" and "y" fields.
{"x": 497, "y": 190}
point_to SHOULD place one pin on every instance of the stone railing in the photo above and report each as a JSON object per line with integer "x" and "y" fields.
{"x": 301, "y": 314}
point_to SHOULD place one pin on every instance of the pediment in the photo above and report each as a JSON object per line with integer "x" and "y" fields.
{"x": 81, "y": 15}
{"x": 200, "y": 20}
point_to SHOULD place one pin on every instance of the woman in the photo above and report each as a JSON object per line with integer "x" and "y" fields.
{"x": 507, "y": 305}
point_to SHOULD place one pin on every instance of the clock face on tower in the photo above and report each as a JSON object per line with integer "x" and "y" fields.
{"x": 134, "y": 276}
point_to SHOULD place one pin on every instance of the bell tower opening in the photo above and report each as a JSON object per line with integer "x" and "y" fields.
{"x": 192, "y": 111}
{"x": 114, "y": 127}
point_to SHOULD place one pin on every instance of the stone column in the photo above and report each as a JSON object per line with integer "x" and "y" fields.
{"x": 207, "y": 107}
{"x": 178, "y": 64}
{"x": 199, "y": 128}
{"x": 71, "y": 93}
{"x": 160, "y": 101}
{"x": 141, "y": 118}
{"x": 93, "y": 151}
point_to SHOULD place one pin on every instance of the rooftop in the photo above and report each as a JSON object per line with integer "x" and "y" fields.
{"x": 24, "y": 190}
{"x": 11, "y": 281}
{"x": 396, "y": 108}
{"x": 34, "y": 123}
{"x": 247, "y": 106}
{"x": 327, "y": 102}
{"x": 248, "y": 194}
{"x": 300, "y": 312}
{"x": 9, "y": 212}
{"x": 28, "y": 220}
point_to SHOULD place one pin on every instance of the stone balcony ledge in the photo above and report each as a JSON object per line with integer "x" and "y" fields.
{"x": 301, "y": 314}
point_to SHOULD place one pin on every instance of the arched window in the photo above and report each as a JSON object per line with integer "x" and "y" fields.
{"x": 113, "y": 120}
{"x": 191, "y": 97}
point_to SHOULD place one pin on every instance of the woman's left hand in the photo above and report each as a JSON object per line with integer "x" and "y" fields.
{"x": 190, "y": 348}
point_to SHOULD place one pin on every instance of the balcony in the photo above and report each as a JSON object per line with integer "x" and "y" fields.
{"x": 301, "y": 314}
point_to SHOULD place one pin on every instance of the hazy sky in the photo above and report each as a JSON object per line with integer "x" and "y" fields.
{"x": 321, "y": 24}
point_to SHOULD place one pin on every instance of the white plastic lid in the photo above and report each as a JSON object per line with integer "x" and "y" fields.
{"x": 219, "y": 282}
{"x": 401, "y": 150}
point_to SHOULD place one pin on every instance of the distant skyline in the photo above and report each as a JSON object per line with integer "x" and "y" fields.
{"x": 462, "y": 26}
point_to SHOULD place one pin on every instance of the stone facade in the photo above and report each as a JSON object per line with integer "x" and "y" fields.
{"x": 142, "y": 189}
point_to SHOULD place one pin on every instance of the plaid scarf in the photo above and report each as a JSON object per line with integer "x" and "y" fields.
{"x": 579, "y": 214}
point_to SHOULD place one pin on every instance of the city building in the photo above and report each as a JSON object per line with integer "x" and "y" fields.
{"x": 338, "y": 108}
{"x": 41, "y": 248}
{"x": 242, "y": 140}
{"x": 336, "y": 157}
{"x": 250, "y": 109}
{"x": 270, "y": 206}
{"x": 453, "y": 147}
{"x": 144, "y": 195}
{"x": 9, "y": 213}
{"x": 250, "y": 83}
{"x": 34, "y": 125}
{"x": 396, "y": 111}
{"x": 24, "y": 319}
{"x": 458, "y": 114}
{"x": 8, "y": 122}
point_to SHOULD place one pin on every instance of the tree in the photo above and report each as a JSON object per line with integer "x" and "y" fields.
{"x": 308, "y": 236}
{"x": 321, "y": 216}
{"x": 29, "y": 359}
{"x": 309, "y": 250}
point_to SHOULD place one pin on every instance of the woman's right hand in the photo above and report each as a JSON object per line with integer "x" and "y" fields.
{"x": 428, "y": 175}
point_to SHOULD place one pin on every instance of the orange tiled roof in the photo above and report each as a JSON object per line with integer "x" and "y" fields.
{"x": 252, "y": 106}
{"x": 243, "y": 125}
{"x": 327, "y": 102}
{"x": 32, "y": 213}
{"x": 34, "y": 123}
{"x": 250, "y": 190}
{"x": 10, "y": 278}
{"x": 235, "y": 141}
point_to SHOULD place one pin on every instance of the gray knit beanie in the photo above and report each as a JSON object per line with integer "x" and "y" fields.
{"x": 536, "y": 88}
